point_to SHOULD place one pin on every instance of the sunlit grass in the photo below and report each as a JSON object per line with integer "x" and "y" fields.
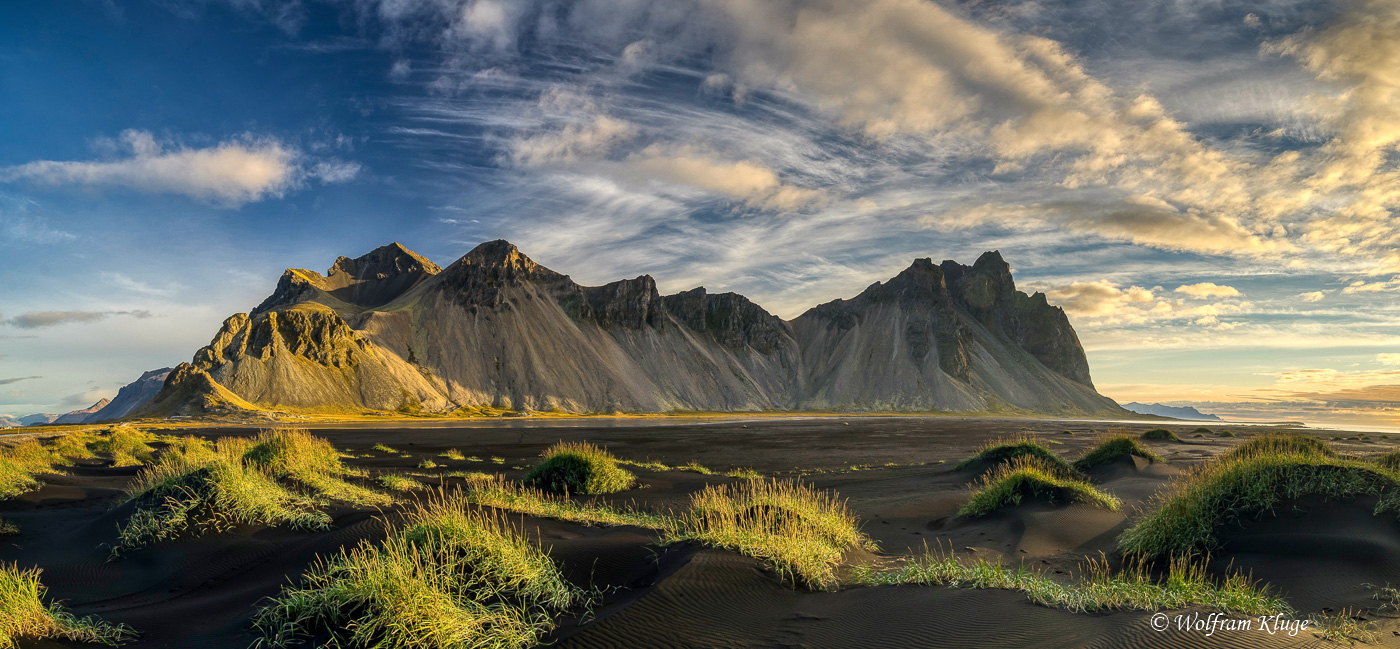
{"x": 194, "y": 489}
{"x": 801, "y": 532}
{"x": 1097, "y": 588}
{"x": 494, "y": 491}
{"x": 311, "y": 461}
{"x": 25, "y": 615}
{"x": 448, "y": 577}
{"x": 396, "y": 482}
{"x": 452, "y": 454}
{"x": 1029, "y": 477}
{"x": 578, "y": 468}
{"x": 1243, "y": 485}
{"x": 745, "y": 473}
{"x": 126, "y": 446}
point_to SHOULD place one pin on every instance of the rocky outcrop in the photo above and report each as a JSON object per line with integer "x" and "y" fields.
{"x": 390, "y": 331}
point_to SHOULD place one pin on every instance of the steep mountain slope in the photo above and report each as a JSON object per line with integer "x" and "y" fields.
{"x": 82, "y": 416}
{"x": 132, "y": 396}
{"x": 392, "y": 331}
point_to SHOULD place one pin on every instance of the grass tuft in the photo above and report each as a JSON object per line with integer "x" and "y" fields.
{"x": 1280, "y": 444}
{"x": 450, "y": 577}
{"x": 1097, "y": 587}
{"x": 1006, "y": 450}
{"x": 1031, "y": 477}
{"x": 396, "y": 482}
{"x": 24, "y": 615}
{"x": 302, "y": 458}
{"x": 494, "y": 491}
{"x": 195, "y": 489}
{"x": 1111, "y": 449}
{"x": 126, "y": 446}
{"x": 1390, "y": 461}
{"x": 578, "y": 468}
{"x": 800, "y": 531}
{"x": 1161, "y": 435}
{"x": 1232, "y": 488}
{"x": 452, "y": 454}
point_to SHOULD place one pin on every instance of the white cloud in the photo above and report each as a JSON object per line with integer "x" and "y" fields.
{"x": 1362, "y": 286}
{"x": 1388, "y": 359}
{"x": 234, "y": 172}
{"x": 1313, "y": 296}
{"x": 748, "y": 181}
{"x": 1208, "y": 290}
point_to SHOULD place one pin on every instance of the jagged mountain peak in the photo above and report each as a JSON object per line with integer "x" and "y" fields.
{"x": 496, "y": 328}
{"x": 382, "y": 262}
{"x": 365, "y": 282}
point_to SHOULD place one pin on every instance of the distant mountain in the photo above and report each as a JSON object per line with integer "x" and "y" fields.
{"x": 7, "y": 421}
{"x": 82, "y": 416}
{"x": 1175, "y": 412}
{"x": 38, "y": 418}
{"x": 391, "y": 331}
{"x": 132, "y": 396}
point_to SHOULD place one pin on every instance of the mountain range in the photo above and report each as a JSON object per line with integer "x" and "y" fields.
{"x": 1175, "y": 412}
{"x": 391, "y": 331}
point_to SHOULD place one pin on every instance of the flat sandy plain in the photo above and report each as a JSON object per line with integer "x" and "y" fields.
{"x": 896, "y": 472}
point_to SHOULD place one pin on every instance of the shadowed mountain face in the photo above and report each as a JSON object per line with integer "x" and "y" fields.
{"x": 392, "y": 331}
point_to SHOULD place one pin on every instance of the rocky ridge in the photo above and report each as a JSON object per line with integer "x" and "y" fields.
{"x": 390, "y": 331}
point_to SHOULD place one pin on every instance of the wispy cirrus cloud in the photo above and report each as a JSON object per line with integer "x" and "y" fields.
{"x": 18, "y": 379}
{"x": 43, "y": 319}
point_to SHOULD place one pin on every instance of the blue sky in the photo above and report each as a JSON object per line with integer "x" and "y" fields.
{"x": 1206, "y": 187}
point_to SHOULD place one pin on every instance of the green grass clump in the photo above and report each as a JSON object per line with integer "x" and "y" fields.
{"x": 395, "y": 482}
{"x": 801, "y": 532}
{"x": 1161, "y": 435}
{"x": 382, "y": 448}
{"x": 24, "y": 615}
{"x": 1280, "y": 444}
{"x": 449, "y": 577}
{"x": 73, "y": 446}
{"x": 498, "y": 460}
{"x": 8, "y": 527}
{"x": 1390, "y": 461}
{"x": 195, "y": 489}
{"x": 427, "y": 463}
{"x": 578, "y": 468}
{"x": 1113, "y": 448}
{"x": 1097, "y": 588}
{"x": 126, "y": 446}
{"x": 745, "y": 473}
{"x": 452, "y": 454}
{"x": 494, "y": 491}
{"x": 1031, "y": 477}
{"x": 1203, "y": 431}
{"x": 1005, "y": 450}
{"x": 695, "y": 467}
{"x": 295, "y": 455}
{"x": 1226, "y": 433}
{"x": 1185, "y": 518}
{"x": 649, "y": 465}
